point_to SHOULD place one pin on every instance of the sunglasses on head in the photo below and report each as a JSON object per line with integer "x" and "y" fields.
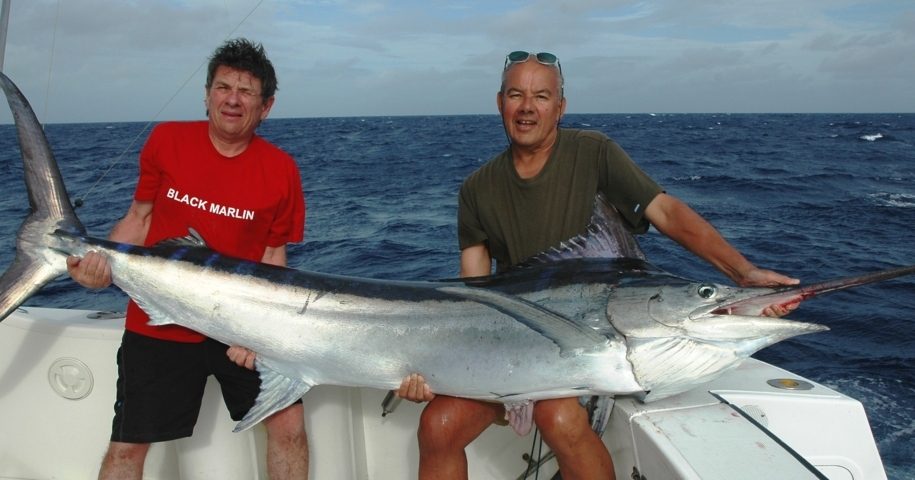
{"x": 520, "y": 56}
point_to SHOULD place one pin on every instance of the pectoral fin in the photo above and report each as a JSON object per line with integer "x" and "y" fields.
{"x": 569, "y": 336}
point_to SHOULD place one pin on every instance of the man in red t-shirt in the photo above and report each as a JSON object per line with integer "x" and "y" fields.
{"x": 244, "y": 197}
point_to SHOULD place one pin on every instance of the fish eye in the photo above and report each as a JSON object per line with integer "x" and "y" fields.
{"x": 707, "y": 291}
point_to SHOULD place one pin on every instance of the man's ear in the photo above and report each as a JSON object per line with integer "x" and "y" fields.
{"x": 267, "y": 106}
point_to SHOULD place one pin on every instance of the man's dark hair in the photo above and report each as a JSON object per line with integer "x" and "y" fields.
{"x": 242, "y": 54}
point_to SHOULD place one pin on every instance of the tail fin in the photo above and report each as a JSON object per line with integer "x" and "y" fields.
{"x": 36, "y": 263}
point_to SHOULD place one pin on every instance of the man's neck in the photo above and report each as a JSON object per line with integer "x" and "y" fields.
{"x": 229, "y": 148}
{"x": 529, "y": 161}
{"x": 529, "y": 164}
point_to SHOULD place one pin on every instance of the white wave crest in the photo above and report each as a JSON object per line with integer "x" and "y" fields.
{"x": 902, "y": 200}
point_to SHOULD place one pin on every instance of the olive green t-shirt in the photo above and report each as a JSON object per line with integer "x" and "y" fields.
{"x": 518, "y": 218}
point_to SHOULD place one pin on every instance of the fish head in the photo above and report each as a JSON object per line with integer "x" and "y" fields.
{"x": 703, "y": 311}
{"x": 681, "y": 333}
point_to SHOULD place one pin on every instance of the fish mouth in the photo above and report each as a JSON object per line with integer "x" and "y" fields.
{"x": 745, "y": 302}
{"x": 741, "y": 320}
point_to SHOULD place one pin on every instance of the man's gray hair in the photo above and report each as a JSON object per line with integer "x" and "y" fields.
{"x": 562, "y": 80}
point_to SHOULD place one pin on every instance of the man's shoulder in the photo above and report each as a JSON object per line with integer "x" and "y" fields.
{"x": 587, "y": 136}
{"x": 264, "y": 146}
{"x": 590, "y": 144}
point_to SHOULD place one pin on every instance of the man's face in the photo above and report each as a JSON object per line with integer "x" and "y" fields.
{"x": 235, "y": 105}
{"x": 531, "y": 104}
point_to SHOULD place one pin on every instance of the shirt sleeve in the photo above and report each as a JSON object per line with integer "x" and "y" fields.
{"x": 627, "y": 187}
{"x": 289, "y": 224}
{"x": 150, "y": 177}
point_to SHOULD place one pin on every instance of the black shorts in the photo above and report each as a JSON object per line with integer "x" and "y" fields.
{"x": 161, "y": 384}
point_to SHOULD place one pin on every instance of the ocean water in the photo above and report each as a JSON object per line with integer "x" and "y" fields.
{"x": 813, "y": 196}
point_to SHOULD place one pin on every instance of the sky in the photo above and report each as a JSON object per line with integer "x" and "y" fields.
{"x": 144, "y": 60}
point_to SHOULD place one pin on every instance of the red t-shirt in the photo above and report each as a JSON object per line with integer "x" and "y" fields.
{"x": 240, "y": 205}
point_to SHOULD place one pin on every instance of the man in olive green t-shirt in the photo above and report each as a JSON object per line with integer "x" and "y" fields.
{"x": 537, "y": 193}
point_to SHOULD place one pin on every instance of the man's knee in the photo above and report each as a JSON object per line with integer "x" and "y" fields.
{"x": 128, "y": 450}
{"x": 287, "y": 423}
{"x": 123, "y": 460}
{"x": 450, "y": 424}
{"x": 437, "y": 426}
{"x": 564, "y": 417}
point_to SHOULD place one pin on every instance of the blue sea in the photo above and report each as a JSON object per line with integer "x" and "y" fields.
{"x": 813, "y": 196}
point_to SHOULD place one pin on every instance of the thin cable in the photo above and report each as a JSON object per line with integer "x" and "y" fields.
{"x": 539, "y": 457}
{"x": 47, "y": 91}
{"x": 79, "y": 200}
{"x": 530, "y": 456}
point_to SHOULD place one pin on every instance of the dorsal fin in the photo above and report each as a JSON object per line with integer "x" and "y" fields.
{"x": 605, "y": 237}
{"x": 192, "y": 239}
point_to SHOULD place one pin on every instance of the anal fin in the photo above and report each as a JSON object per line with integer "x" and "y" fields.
{"x": 277, "y": 392}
